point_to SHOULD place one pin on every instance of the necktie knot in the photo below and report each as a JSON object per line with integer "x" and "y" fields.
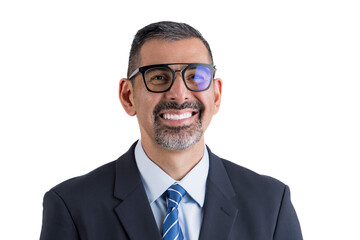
{"x": 175, "y": 193}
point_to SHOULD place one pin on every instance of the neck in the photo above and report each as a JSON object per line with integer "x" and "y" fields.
{"x": 176, "y": 163}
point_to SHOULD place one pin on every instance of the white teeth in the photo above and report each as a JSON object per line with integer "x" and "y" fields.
{"x": 177, "y": 117}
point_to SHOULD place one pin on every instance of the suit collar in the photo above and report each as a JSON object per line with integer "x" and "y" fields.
{"x": 134, "y": 211}
{"x": 137, "y": 217}
{"x": 219, "y": 211}
{"x": 156, "y": 181}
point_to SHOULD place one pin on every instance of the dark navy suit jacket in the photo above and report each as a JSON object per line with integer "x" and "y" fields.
{"x": 110, "y": 203}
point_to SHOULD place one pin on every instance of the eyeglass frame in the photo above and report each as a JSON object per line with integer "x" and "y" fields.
{"x": 143, "y": 69}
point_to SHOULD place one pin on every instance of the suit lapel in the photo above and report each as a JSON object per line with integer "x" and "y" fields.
{"x": 135, "y": 214}
{"x": 134, "y": 211}
{"x": 219, "y": 212}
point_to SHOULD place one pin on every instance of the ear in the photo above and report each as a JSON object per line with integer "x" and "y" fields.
{"x": 126, "y": 96}
{"x": 217, "y": 94}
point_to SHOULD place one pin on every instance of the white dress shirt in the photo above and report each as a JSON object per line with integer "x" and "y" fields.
{"x": 156, "y": 182}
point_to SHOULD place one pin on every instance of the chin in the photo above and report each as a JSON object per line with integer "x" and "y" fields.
{"x": 178, "y": 138}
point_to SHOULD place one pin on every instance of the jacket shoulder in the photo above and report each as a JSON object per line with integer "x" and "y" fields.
{"x": 250, "y": 176}
{"x": 256, "y": 186}
{"x": 260, "y": 199}
{"x": 98, "y": 184}
{"x": 99, "y": 181}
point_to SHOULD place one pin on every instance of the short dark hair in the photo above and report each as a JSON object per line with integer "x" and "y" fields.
{"x": 165, "y": 30}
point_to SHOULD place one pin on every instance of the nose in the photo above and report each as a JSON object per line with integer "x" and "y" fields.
{"x": 178, "y": 91}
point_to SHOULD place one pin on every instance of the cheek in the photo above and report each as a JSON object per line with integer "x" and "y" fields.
{"x": 144, "y": 111}
{"x": 209, "y": 105}
{"x": 144, "y": 104}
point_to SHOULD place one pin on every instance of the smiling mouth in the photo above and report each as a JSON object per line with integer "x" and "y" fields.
{"x": 181, "y": 116}
{"x": 174, "y": 113}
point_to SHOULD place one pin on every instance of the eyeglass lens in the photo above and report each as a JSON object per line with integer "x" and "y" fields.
{"x": 196, "y": 78}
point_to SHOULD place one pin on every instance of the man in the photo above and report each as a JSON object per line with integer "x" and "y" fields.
{"x": 169, "y": 185}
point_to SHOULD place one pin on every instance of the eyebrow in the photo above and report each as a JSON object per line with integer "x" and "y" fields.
{"x": 153, "y": 69}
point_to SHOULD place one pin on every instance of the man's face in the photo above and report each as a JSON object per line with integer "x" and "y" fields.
{"x": 175, "y": 119}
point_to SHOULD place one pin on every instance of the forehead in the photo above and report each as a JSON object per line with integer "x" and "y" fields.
{"x": 191, "y": 50}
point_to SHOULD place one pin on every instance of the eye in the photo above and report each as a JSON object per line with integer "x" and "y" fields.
{"x": 158, "y": 76}
{"x": 159, "y": 79}
{"x": 196, "y": 79}
{"x": 193, "y": 79}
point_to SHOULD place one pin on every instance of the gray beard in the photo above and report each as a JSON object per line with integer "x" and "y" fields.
{"x": 178, "y": 138}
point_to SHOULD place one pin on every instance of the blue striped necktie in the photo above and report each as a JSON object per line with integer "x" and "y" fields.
{"x": 171, "y": 228}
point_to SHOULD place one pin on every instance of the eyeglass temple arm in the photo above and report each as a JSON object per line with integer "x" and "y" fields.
{"x": 134, "y": 73}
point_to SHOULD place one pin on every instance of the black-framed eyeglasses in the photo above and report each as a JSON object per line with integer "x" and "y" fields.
{"x": 160, "y": 77}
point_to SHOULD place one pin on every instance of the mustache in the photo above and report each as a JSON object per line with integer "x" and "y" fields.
{"x": 164, "y": 105}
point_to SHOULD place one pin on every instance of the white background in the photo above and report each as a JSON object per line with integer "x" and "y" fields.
{"x": 290, "y": 109}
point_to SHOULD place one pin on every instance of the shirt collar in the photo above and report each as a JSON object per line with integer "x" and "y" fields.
{"x": 156, "y": 181}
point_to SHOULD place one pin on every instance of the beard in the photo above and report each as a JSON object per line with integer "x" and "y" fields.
{"x": 178, "y": 138}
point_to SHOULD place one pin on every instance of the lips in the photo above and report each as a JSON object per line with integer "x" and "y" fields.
{"x": 177, "y": 113}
